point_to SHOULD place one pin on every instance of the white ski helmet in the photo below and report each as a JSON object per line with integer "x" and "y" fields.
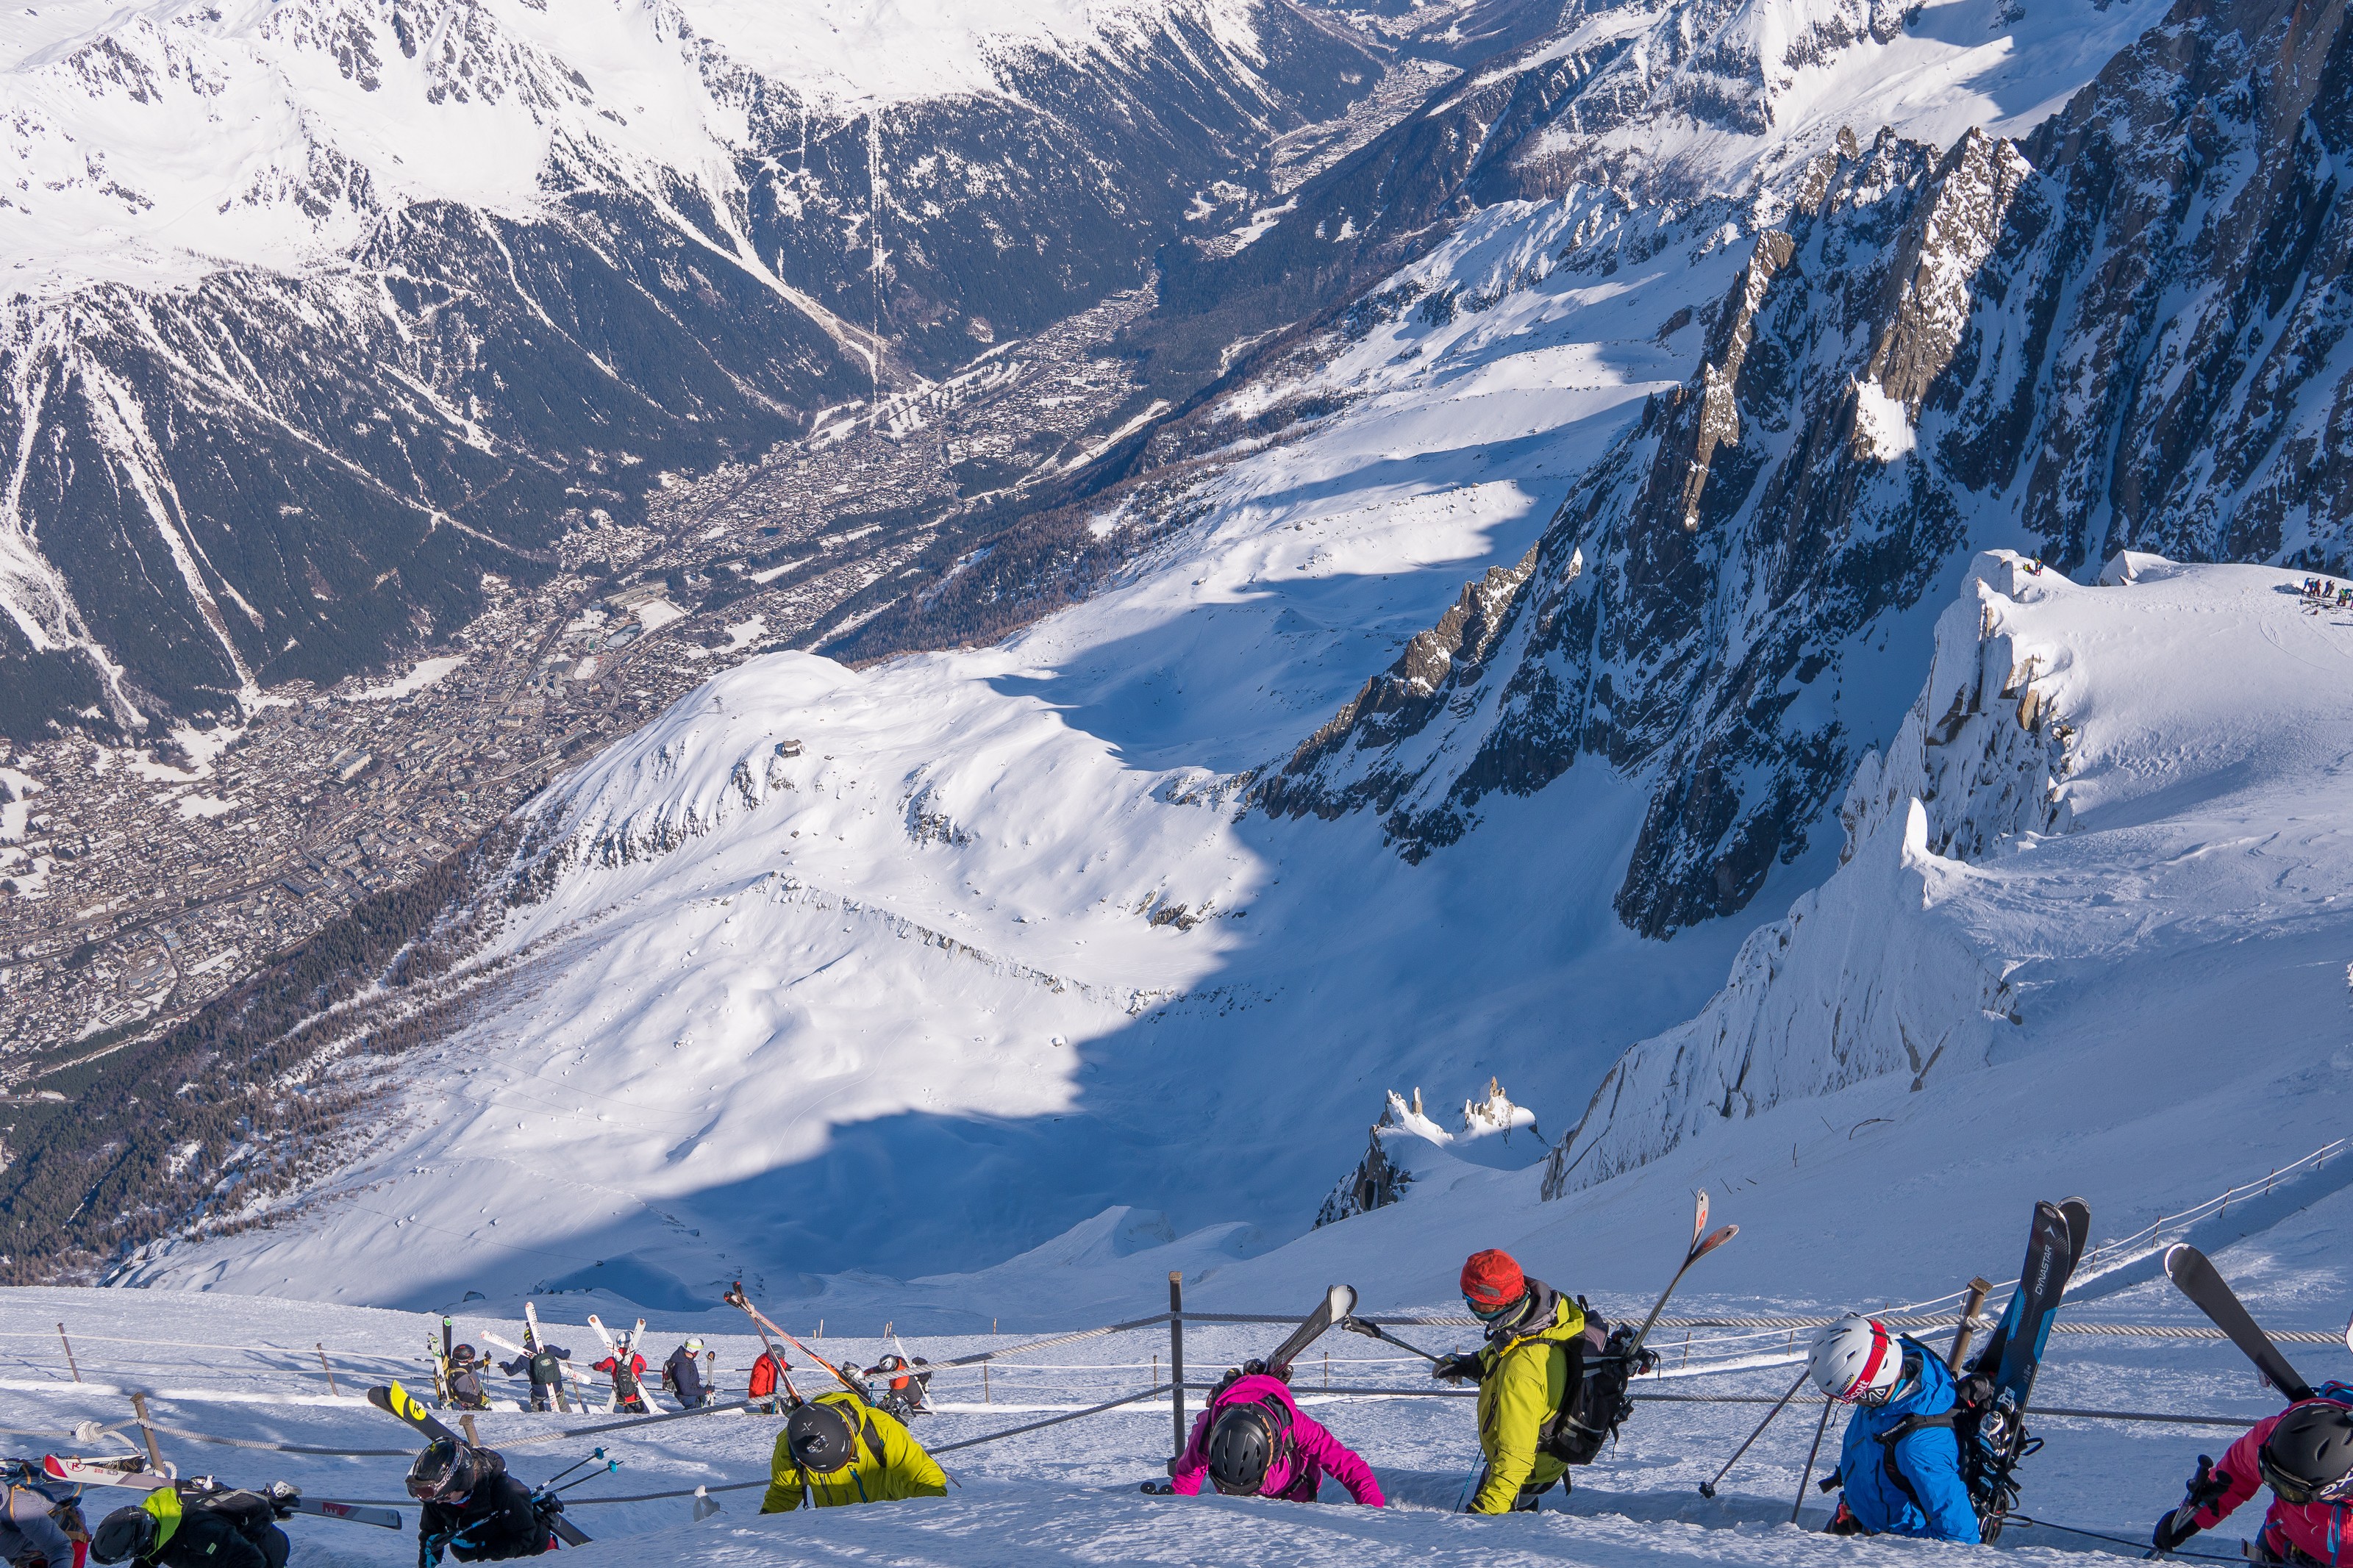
{"x": 694, "y": 1347}
{"x": 1856, "y": 1361}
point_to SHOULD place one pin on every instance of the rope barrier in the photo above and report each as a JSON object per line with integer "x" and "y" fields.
{"x": 2140, "y": 1546}
{"x": 980, "y": 1356}
{"x": 1058, "y": 1420}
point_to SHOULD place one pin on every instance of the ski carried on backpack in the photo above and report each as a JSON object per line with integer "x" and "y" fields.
{"x": 1702, "y": 1244}
{"x": 61, "y": 1468}
{"x": 736, "y": 1298}
{"x": 1337, "y": 1304}
{"x": 1996, "y": 1392}
{"x": 133, "y": 1474}
{"x": 2196, "y": 1279}
{"x": 534, "y": 1336}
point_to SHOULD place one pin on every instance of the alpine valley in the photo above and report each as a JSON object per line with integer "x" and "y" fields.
{"x": 1720, "y": 583}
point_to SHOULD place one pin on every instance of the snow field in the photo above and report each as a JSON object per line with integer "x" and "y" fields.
{"x": 244, "y": 1367}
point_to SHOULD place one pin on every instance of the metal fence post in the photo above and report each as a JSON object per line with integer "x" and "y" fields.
{"x": 1176, "y": 1354}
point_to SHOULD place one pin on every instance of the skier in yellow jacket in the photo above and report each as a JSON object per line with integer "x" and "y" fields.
{"x": 1535, "y": 1345}
{"x": 834, "y": 1450}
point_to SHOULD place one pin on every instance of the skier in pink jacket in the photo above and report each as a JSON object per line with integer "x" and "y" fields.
{"x": 1252, "y": 1441}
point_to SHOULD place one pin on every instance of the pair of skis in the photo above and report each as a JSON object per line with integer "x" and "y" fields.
{"x": 110, "y": 1473}
{"x": 767, "y": 1325}
{"x": 2003, "y": 1375}
{"x": 613, "y": 1395}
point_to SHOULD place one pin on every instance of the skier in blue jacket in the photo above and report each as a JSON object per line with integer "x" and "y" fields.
{"x": 1901, "y": 1475}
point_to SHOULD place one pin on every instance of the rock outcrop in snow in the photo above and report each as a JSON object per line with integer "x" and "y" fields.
{"x": 2074, "y": 753}
{"x": 1407, "y": 1146}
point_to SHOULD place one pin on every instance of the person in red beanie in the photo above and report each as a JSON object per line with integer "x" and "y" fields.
{"x": 1534, "y": 1355}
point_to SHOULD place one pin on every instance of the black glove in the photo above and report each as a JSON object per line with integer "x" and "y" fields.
{"x": 2176, "y": 1526}
{"x": 1844, "y": 1522}
{"x": 1454, "y": 1368}
{"x": 282, "y": 1498}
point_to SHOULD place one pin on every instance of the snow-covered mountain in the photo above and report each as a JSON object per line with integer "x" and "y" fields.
{"x": 318, "y": 311}
{"x": 1548, "y": 601}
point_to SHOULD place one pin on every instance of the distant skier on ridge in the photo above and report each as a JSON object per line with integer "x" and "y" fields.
{"x": 2304, "y": 1454}
{"x": 1900, "y": 1467}
{"x": 1253, "y": 1441}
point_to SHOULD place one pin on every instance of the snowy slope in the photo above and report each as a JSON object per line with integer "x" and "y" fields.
{"x": 245, "y": 1369}
{"x": 161, "y": 143}
{"x": 992, "y": 950}
{"x": 2119, "y": 806}
{"x": 814, "y": 986}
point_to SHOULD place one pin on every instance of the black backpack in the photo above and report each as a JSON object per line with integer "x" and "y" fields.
{"x": 1593, "y": 1401}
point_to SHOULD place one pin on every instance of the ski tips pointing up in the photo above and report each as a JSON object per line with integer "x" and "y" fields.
{"x": 1701, "y": 1248}
{"x": 1699, "y": 1218}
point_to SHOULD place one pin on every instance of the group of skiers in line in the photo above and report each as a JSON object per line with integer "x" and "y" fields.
{"x": 685, "y": 1376}
{"x": 1551, "y": 1380}
{"x": 682, "y": 1376}
{"x": 2323, "y": 593}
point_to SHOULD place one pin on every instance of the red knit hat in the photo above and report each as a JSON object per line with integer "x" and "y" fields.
{"x": 1491, "y": 1280}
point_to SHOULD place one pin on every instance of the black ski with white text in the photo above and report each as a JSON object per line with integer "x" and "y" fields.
{"x": 1990, "y": 1422}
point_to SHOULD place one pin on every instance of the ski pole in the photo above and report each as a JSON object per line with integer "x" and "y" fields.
{"x": 569, "y": 1469}
{"x": 1375, "y": 1332}
{"x": 2201, "y": 1488}
{"x": 610, "y": 1465}
{"x": 1707, "y": 1487}
{"x": 1806, "y": 1477}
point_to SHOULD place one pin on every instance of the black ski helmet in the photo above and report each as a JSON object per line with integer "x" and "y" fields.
{"x": 821, "y": 1437}
{"x": 463, "y": 1356}
{"x": 1243, "y": 1445}
{"x": 444, "y": 1468}
{"x": 2309, "y": 1458}
{"x": 125, "y": 1534}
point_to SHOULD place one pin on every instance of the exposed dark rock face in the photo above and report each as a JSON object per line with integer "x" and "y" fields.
{"x": 2120, "y": 332}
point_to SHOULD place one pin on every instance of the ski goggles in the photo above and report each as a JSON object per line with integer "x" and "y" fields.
{"x": 2297, "y": 1492}
{"x": 1489, "y": 1314}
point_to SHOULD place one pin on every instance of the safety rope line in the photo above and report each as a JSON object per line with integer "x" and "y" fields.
{"x": 2142, "y": 1547}
{"x": 1058, "y": 1420}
